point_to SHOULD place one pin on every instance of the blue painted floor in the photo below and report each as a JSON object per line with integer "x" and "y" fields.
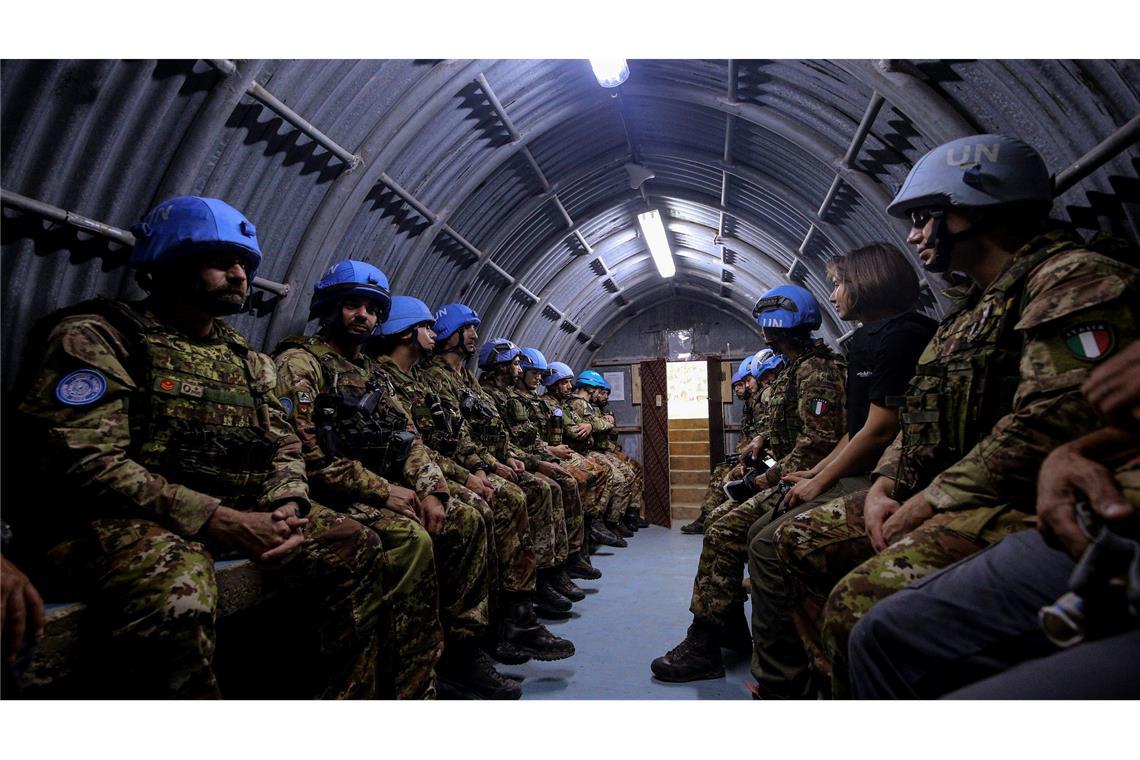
{"x": 637, "y": 610}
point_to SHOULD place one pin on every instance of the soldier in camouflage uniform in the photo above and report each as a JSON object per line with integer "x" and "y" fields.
{"x": 600, "y": 398}
{"x": 458, "y": 386}
{"x": 161, "y": 423}
{"x": 499, "y": 362}
{"x": 527, "y": 415}
{"x": 365, "y": 459}
{"x": 995, "y": 390}
{"x": 546, "y": 417}
{"x": 804, "y": 422}
{"x": 585, "y": 427}
{"x": 403, "y": 342}
{"x": 559, "y": 381}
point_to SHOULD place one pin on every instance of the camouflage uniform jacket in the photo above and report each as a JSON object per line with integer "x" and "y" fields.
{"x": 998, "y": 386}
{"x": 308, "y": 367}
{"x": 577, "y": 410}
{"x": 607, "y": 438}
{"x": 488, "y": 431}
{"x": 443, "y": 428}
{"x": 526, "y": 417}
{"x": 146, "y": 422}
{"x": 748, "y": 427}
{"x": 804, "y": 416}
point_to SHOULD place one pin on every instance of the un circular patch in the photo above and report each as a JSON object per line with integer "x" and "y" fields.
{"x": 81, "y": 387}
{"x": 557, "y": 412}
{"x": 287, "y": 403}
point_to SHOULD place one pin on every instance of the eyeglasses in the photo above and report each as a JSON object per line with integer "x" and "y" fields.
{"x": 920, "y": 217}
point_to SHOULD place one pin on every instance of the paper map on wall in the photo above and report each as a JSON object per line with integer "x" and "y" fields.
{"x": 617, "y": 382}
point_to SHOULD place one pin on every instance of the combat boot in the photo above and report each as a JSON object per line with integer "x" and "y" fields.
{"x": 642, "y": 522}
{"x": 618, "y": 529}
{"x": 500, "y": 635}
{"x": 697, "y": 658}
{"x": 696, "y": 526}
{"x": 580, "y": 567}
{"x": 631, "y": 523}
{"x": 465, "y": 672}
{"x": 600, "y": 534}
{"x": 548, "y": 602}
{"x": 565, "y": 586}
{"x": 736, "y": 634}
{"x": 522, "y": 631}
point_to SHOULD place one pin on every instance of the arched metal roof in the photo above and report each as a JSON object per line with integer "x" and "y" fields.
{"x": 507, "y": 183}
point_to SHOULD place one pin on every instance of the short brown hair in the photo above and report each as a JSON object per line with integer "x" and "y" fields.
{"x": 880, "y": 281}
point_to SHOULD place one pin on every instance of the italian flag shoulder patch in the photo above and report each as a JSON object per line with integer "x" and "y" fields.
{"x": 1090, "y": 341}
{"x": 819, "y": 407}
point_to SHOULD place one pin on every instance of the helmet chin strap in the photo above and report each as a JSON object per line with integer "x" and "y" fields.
{"x": 944, "y": 242}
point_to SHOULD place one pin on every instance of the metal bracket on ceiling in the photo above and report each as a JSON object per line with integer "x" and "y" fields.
{"x": 270, "y": 101}
{"x": 1119, "y": 141}
{"x": 109, "y": 231}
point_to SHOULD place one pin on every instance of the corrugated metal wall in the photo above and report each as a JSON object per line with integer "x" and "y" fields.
{"x": 516, "y": 170}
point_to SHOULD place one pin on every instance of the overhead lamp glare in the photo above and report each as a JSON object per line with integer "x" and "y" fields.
{"x": 654, "y": 231}
{"x": 609, "y": 73}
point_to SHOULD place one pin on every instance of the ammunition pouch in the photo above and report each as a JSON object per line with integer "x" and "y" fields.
{"x": 747, "y": 487}
{"x": 227, "y": 462}
{"x": 358, "y": 428}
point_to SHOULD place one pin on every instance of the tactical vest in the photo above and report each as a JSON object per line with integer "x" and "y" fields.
{"x": 782, "y": 419}
{"x": 520, "y": 414}
{"x": 440, "y": 424}
{"x": 354, "y": 415}
{"x": 552, "y": 432}
{"x": 606, "y": 441}
{"x": 482, "y": 416}
{"x": 967, "y": 376}
{"x": 197, "y": 418}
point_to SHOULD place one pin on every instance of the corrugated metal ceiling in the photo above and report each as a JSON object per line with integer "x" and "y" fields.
{"x": 512, "y": 209}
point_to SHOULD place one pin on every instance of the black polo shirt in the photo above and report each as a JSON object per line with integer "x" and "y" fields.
{"x": 881, "y": 357}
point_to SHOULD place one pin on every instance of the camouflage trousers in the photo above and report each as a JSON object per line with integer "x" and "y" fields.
{"x": 573, "y": 530}
{"x": 779, "y": 662}
{"x": 412, "y": 592}
{"x": 154, "y": 597}
{"x": 637, "y": 487}
{"x": 546, "y": 518}
{"x": 717, "y": 591}
{"x": 620, "y": 478}
{"x": 515, "y": 547}
{"x": 714, "y": 494}
{"x": 593, "y": 485}
{"x": 836, "y": 577}
{"x": 462, "y": 494}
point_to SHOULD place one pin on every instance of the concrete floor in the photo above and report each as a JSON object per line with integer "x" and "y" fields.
{"x": 637, "y": 611}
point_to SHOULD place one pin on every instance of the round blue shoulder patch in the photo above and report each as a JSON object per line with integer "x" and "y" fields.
{"x": 287, "y": 403}
{"x": 81, "y": 387}
{"x": 557, "y": 411}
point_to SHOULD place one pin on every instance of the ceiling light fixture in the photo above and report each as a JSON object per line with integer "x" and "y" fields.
{"x": 658, "y": 242}
{"x": 609, "y": 73}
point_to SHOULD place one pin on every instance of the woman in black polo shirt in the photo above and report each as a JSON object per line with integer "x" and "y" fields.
{"x": 878, "y": 287}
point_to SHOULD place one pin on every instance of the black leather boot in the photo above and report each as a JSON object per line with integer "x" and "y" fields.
{"x": 697, "y": 658}
{"x": 696, "y": 526}
{"x": 522, "y": 630}
{"x": 548, "y": 602}
{"x": 618, "y": 529}
{"x": 602, "y": 535}
{"x": 580, "y": 567}
{"x": 562, "y": 583}
{"x": 465, "y": 672}
{"x": 630, "y": 522}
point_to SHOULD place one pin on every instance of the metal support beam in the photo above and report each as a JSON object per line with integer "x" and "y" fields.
{"x": 1105, "y": 151}
{"x": 119, "y": 235}
{"x": 270, "y": 101}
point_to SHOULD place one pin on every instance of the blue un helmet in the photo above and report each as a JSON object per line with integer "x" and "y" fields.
{"x": 406, "y": 312}
{"x": 532, "y": 358}
{"x": 497, "y": 351}
{"x": 556, "y": 373}
{"x": 763, "y": 355}
{"x": 788, "y": 307}
{"x": 759, "y": 369}
{"x": 191, "y": 225}
{"x": 590, "y": 379}
{"x": 978, "y": 172}
{"x": 351, "y": 278}
{"x": 744, "y": 370}
{"x": 452, "y": 318}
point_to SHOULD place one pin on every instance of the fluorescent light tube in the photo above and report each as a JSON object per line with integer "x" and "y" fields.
{"x": 655, "y": 238}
